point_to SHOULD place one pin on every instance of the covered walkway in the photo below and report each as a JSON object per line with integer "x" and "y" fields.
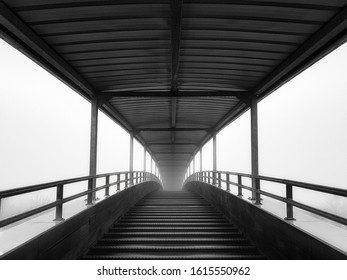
{"x": 173, "y": 74}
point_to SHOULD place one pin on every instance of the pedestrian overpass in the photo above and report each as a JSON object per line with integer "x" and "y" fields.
{"x": 173, "y": 74}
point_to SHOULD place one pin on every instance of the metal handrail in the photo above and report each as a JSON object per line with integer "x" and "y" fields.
{"x": 129, "y": 179}
{"x": 215, "y": 178}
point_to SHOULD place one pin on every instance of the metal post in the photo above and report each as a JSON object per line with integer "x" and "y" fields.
{"x": 219, "y": 180}
{"x": 131, "y": 160}
{"x": 90, "y": 188}
{"x": 228, "y": 182}
{"x": 126, "y": 180}
{"x": 239, "y": 182}
{"x": 214, "y": 157}
{"x": 254, "y": 149}
{"x": 289, "y": 197}
{"x": 93, "y": 143}
{"x": 59, "y": 208}
{"x": 118, "y": 182}
{"x": 200, "y": 159}
{"x": 144, "y": 159}
{"x": 107, "y": 183}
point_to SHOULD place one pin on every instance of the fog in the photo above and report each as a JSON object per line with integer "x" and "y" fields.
{"x": 45, "y": 130}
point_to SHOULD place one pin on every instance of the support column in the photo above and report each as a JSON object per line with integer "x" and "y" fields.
{"x": 193, "y": 164}
{"x": 144, "y": 159}
{"x": 214, "y": 156}
{"x": 93, "y": 148}
{"x": 200, "y": 159}
{"x": 151, "y": 165}
{"x": 254, "y": 149}
{"x": 131, "y": 159}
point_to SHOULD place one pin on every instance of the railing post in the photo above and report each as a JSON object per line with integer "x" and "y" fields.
{"x": 59, "y": 208}
{"x": 239, "y": 183}
{"x": 107, "y": 183}
{"x": 257, "y": 195}
{"x": 118, "y": 182}
{"x": 289, "y": 197}
{"x": 90, "y": 188}
{"x": 228, "y": 182}
{"x": 126, "y": 180}
{"x": 219, "y": 180}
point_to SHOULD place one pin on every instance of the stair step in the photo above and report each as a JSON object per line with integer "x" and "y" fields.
{"x": 167, "y": 248}
{"x": 175, "y": 234}
{"x": 173, "y": 225}
{"x": 172, "y": 241}
{"x": 170, "y": 224}
{"x": 174, "y": 256}
{"x": 172, "y": 220}
{"x": 168, "y": 229}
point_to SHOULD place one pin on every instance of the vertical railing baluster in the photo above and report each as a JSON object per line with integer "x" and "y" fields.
{"x": 219, "y": 180}
{"x": 257, "y": 194}
{"x": 126, "y": 180}
{"x": 289, "y": 197}
{"x": 239, "y": 183}
{"x": 107, "y": 183}
{"x": 59, "y": 207}
{"x": 130, "y": 176}
{"x": 90, "y": 195}
{"x": 118, "y": 182}
{"x": 228, "y": 182}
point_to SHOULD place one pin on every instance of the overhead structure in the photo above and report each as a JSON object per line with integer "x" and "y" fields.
{"x": 173, "y": 73}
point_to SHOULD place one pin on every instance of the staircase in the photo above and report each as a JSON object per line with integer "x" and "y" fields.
{"x": 173, "y": 225}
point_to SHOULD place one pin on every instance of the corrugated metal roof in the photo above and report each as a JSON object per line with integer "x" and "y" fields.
{"x": 173, "y": 72}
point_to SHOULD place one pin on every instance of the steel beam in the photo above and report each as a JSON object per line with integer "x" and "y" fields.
{"x": 173, "y": 144}
{"x": 172, "y": 153}
{"x": 175, "y": 94}
{"x": 176, "y": 17}
{"x": 172, "y": 129}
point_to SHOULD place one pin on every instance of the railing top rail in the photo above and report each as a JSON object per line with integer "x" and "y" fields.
{"x": 37, "y": 187}
{"x": 315, "y": 187}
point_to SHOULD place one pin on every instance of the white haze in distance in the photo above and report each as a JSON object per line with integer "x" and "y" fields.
{"x": 45, "y": 128}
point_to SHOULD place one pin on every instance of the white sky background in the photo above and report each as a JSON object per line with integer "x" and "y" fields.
{"x": 45, "y": 128}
